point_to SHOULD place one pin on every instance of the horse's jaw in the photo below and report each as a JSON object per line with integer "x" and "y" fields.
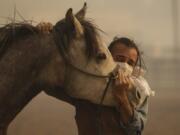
{"x": 83, "y": 86}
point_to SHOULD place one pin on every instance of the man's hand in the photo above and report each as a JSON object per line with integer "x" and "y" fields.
{"x": 122, "y": 85}
{"x": 45, "y": 27}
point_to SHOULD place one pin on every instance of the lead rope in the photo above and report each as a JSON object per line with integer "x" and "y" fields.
{"x": 99, "y": 120}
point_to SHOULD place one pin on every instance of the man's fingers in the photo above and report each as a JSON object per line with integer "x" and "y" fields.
{"x": 50, "y": 26}
{"x": 128, "y": 80}
{"x": 121, "y": 77}
{"x": 40, "y": 26}
{"x": 45, "y": 27}
{"x": 123, "y": 82}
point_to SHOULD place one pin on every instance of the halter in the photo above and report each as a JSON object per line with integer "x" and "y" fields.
{"x": 111, "y": 76}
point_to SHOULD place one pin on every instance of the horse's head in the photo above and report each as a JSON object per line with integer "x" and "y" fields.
{"x": 81, "y": 45}
{"x": 85, "y": 54}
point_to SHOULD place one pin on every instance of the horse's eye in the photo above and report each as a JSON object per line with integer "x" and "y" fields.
{"x": 101, "y": 56}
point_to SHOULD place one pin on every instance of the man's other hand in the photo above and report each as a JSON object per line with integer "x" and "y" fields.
{"x": 45, "y": 27}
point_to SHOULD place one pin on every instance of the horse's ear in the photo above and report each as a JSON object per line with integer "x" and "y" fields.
{"x": 81, "y": 14}
{"x": 74, "y": 23}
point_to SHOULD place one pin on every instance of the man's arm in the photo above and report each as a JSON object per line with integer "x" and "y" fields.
{"x": 138, "y": 120}
{"x": 132, "y": 118}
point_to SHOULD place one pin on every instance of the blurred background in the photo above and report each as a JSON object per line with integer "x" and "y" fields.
{"x": 153, "y": 24}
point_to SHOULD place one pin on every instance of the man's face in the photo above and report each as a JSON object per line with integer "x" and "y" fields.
{"x": 121, "y": 53}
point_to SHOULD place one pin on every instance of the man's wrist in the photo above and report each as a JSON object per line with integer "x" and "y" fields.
{"x": 125, "y": 109}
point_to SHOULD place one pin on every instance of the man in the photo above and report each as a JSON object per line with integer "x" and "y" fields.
{"x": 126, "y": 118}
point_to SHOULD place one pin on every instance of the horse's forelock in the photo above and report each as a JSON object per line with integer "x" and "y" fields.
{"x": 91, "y": 38}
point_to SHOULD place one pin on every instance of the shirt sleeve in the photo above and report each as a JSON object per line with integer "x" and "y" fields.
{"x": 138, "y": 120}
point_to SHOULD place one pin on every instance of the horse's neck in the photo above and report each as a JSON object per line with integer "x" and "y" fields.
{"x": 52, "y": 74}
{"x": 23, "y": 60}
{"x": 19, "y": 68}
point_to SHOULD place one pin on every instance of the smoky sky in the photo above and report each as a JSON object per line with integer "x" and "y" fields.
{"x": 149, "y": 22}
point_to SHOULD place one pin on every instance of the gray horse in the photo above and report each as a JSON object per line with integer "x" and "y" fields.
{"x": 72, "y": 58}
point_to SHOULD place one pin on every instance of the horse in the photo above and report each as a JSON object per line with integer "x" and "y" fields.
{"x": 72, "y": 58}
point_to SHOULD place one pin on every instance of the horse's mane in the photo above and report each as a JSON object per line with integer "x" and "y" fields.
{"x": 64, "y": 36}
{"x": 13, "y": 32}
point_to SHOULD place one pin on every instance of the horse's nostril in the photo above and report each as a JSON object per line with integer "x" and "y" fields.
{"x": 101, "y": 56}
